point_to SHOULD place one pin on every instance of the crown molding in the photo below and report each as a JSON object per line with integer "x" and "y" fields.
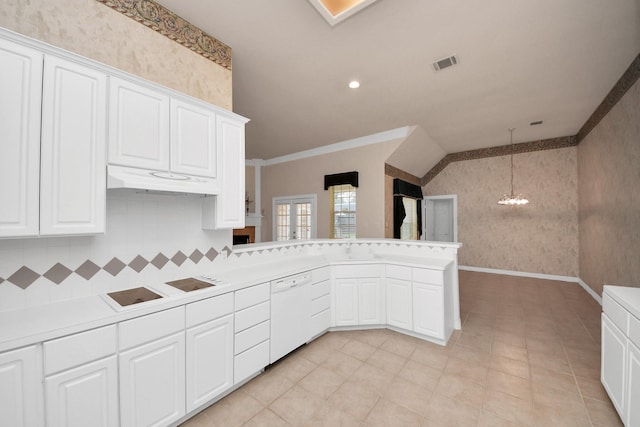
{"x": 376, "y": 138}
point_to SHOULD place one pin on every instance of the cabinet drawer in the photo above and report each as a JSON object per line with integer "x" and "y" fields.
{"x": 356, "y": 271}
{"x": 251, "y": 316}
{"x": 423, "y": 275}
{"x": 252, "y": 336}
{"x": 320, "y": 289}
{"x": 209, "y": 309}
{"x": 320, "y": 304}
{"x": 320, "y": 322}
{"x": 252, "y": 296}
{"x": 151, "y": 327}
{"x": 250, "y": 362}
{"x": 78, "y": 349}
{"x": 320, "y": 274}
{"x": 634, "y": 330}
{"x": 399, "y": 272}
{"x": 616, "y": 313}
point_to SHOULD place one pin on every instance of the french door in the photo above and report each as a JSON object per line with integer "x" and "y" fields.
{"x": 294, "y": 218}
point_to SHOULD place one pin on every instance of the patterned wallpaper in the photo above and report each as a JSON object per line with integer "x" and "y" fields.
{"x": 91, "y": 29}
{"x": 609, "y": 195}
{"x": 541, "y": 237}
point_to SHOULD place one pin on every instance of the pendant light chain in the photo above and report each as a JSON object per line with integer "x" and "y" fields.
{"x": 512, "y": 199}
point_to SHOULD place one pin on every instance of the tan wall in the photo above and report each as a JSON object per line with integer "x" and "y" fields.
{"x": 539, "y": 238}
{"x": 306, "y": 176}
{"x": 609, "y": 195}
{"x": 93, "y": 30}
{"x": 250, "y": 186}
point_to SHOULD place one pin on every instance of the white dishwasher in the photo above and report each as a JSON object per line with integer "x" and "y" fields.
{"x": 290, "y": 314}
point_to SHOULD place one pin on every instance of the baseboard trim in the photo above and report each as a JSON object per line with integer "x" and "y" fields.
{"x": 571, "y": 279}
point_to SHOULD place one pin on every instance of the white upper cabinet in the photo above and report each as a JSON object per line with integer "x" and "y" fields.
{"x": 72, "y": 170}
{"x": 52, "y": 156}
{"x": 20, "y": 99}
{"x": 230, "y": 207}
{"x": 227, "y": 210}
{"x": 193, "y": 140}
{"x": 138, "y": 126}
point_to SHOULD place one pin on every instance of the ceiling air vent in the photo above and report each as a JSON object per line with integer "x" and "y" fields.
{"x": 447, "y": 62}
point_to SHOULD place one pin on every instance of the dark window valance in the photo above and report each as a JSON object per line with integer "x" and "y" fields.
{"x": 340, "y": 179}
{"x": 406, "y": 189}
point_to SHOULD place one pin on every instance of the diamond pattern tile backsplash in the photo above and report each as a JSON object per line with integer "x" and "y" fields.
{"x": 149, "y": 238}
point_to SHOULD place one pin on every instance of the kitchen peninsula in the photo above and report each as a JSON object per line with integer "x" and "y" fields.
{"x": 205, "y": 343}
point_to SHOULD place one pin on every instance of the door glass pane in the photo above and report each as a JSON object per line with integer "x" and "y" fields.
{"x": 283, "y": 218}
{"x": 303, "y": 221}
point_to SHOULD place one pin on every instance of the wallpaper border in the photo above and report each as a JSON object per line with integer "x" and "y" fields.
{"x": 502, "y": 150}
{"x": 615, "y": 94}
{"x": 394, "y": 172}
{"x": 167, "y": 23}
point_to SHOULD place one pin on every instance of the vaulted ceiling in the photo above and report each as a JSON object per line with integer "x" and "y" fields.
{"x": 519, "y": 61}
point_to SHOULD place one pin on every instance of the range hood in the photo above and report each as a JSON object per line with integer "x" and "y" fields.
{"x": 153, "y": 180}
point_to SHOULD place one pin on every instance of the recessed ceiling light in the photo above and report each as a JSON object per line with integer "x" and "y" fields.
{"x": 354, "y": 84}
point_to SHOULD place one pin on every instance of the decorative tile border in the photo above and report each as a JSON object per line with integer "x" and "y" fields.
{"x": 167, "y": 23}
{"x": 24, "y": 276}
{"x": 502, "y": 150}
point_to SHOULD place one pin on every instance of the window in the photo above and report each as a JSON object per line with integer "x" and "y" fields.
{"x": 294, "y": 218}
{"x": 343, "y": 211}
{"x": 409, "y": 227}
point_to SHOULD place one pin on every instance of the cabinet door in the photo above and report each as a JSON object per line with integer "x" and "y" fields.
{"x": 399, "y": 304}
{"x": 193, "y": 140}
{"x": 428, "y": 306}
{"x": 209, "y": 361}
{"x": 369, "y": 301}
{"x": 72, "y": 171}
{"x": 614, "y": 363}
{"x": 346, "y": 307}
{"x": 84, "y": 396}
{"x": 230, "y": 207}
{"x": 21, "y": 388}
{"x": 20, "y": 103}
{"x": 152, "y": 382}
{"x": 138, "y": 126}
{"x": 633, "y": 388}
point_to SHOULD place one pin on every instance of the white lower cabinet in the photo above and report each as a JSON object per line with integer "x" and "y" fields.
{"x": 152, "y": 369}
{"x": 84, "y": 396}
{"x": 152, "y": 382}
{"x": 252, "y": 331}
{"x": 81, "y": 379}
{"x": 428, "y": 310}
{"x": 633, "y": 408}
{"x": 399, "y": 303}
{"x": 320, "y": 302}
{"x": 209, "y": 360}
{"x": 21, "y": 394}
{"x": 358, "y": 295}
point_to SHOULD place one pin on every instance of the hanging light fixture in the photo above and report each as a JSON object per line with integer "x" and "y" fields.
{"x": 512, "y": 199}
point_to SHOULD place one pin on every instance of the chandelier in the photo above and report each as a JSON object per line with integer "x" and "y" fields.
{"x": 512, "y": 199}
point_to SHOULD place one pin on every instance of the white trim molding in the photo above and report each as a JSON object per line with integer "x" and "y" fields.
{"x": 570, "y": 279}
{"x": 390, "y": 135}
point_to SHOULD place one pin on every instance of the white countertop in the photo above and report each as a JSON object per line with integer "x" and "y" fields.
{"x": 627, "y": 297}
{"x": 19, "y": 328}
